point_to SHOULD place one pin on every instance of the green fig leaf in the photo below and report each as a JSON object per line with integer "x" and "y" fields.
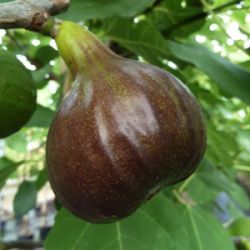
{"x": 25, "y": 198}
{"x": 17, "y": 94}
{"x": 41, "y": 179}
{"x": 141, "y": 38}
{"x": 232, "y": 78}
{"x": 138, "y": 232}
{"x": 217, "y": 180}
{"x": 39, "y": 76}
{"x": 200, "y": 192}
{"x": 88, "y": 9}
{"x": 205, "y": 231}
{"x": 17, "y": 142}
{"x": 7, "y": 167}
{"x": 217, "y": 154}
{"x": 192, "y": 223}
{"x": 172, "y": 18}
{"x": 45, "y": 54}
{"x": 41, "y": 118}
{"x": 159, "y": 224}
{"x": 145, "y": 40}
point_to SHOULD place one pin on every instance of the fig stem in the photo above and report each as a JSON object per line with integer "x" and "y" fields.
{"x": 186, "y": 183}
{"x": 178, "y": 197}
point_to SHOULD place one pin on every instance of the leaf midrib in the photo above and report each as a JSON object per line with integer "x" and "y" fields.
{"x": 118, "y": 230}
{"x": 80, "y": 237}
{"x": 194, "y": 226}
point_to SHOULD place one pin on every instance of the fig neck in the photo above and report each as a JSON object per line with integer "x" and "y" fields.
{"x": 81, "y": 50}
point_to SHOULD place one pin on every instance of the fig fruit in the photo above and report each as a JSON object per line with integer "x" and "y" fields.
{"x": 125, "y": 130}
{"x": 17, "y": 94}
{"x": 240, "y": 227}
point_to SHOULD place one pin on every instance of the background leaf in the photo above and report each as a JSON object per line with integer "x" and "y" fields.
{"x": 41, "y": 179}
{"x": 45, "y": 54}
{"x": 230, "y": 77}
{"x": 25, "y": 198}
{"x": 7, "y": 167}
{"x": 41, "y": 118}
{"x": 196, "y": 223}
{"x": 144, "y": 39}
{"x": 83, "y": 9}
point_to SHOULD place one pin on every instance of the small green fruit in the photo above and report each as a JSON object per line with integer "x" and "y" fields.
{"x": 125, "y": 131}
{"x": 240, "y": 227}
{"x": 17, "y": 94}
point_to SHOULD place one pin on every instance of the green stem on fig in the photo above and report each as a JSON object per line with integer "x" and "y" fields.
{"x": 186, "y": 183}
{"x": 178, "y": 197}
{"x": 48, "y": 26}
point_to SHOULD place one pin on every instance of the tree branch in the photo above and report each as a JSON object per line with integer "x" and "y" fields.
{"x": 30, "y": 14}
{"x": 20, "y": 245}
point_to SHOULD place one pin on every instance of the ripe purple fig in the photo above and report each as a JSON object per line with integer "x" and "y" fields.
{"x": 125, "y": 131}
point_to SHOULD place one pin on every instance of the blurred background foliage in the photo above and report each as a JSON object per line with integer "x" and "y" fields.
{"x": 206, "y": 43}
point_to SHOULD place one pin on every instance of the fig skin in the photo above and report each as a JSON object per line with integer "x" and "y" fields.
{"x": 125, "y": 131}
